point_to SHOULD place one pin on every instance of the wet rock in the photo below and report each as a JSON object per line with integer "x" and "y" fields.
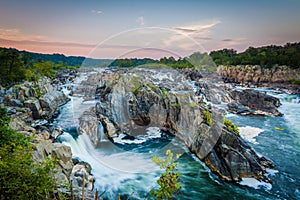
{"x": 89, "y": 124}
{"x": 253, "y": 102}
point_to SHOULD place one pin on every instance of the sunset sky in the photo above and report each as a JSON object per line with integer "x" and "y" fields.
{"x": 128, "y": 28}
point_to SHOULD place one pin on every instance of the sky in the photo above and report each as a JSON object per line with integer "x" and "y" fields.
{"x": 156, "y": 28}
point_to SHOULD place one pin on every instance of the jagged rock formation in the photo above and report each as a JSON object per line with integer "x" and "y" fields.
{"x": 258, "y": 75}
{"x": 133, "y": 101}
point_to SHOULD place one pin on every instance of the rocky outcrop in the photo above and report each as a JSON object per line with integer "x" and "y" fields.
{"x": 141, "y": 98}
{"x": 251, "y": 102}
{"x": 89, "y": 124}
{"x": 261, "y": 76}
{"x": 41, "y": 98}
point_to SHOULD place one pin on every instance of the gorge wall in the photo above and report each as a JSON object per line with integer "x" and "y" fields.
{"x": 258, "y": 75}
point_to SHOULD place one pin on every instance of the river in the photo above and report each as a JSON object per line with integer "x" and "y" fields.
{"x": 126, "y": 168}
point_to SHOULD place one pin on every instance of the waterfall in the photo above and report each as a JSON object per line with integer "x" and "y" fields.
{"x": 115, "y": 170}
{"x": 101, "y": 133}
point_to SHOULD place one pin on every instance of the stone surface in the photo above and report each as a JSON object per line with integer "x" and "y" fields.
{"x": 249, "y": 101}
{"x": 89, "y": 124}
{"x": 81, "y": 174}
{"x": 64, "y": 156}
{"x": 257, "y": 75}
{"x": 35, "y": 108}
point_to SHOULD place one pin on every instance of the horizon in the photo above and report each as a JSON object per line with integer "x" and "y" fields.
{"x": 137, "y": 57}
{"x": 111, "y": 29}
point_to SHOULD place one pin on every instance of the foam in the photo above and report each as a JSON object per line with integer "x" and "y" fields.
{"x": 249, "y": 133}
{"x": 256, "y": 184}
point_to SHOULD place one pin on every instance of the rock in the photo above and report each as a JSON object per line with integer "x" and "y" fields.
{"x": 132, "y": 103}
{"x": 51, "y": 101}
{"x": 35, "y": 108}
{"x": 214, "y": 93}
{"x": 43, "y": 149}
{"x": 253, "y": 102}
{"x": 233, "y": 159}
{"x": 89, "y": 124}
{"x": 45, "y": 134}
{"x": 18, "y": 124}
{"x": 81, "y": 173}
{"x": 258, "y": 75}
{"x": 56, "y": 132}
{"x": 64, "y": 156}
{"x": 193, "y": 75}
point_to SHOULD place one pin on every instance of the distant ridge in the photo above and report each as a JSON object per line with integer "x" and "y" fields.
{"x": 68, "y": 60}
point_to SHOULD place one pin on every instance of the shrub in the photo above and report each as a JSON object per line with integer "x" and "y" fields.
{"x": 168, "y": 182}
{"x": 207, "y": 117}
{"x": 230, "y": 126}
{"x": 176, "y": 105}
{"x": 20, "y": 176}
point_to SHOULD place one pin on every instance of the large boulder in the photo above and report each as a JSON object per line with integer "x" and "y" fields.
{"x": 63, "y": 154}
{"x": 51, "y": 101}
{"x": 89, "y": 124}
{"x": 253, "y": 102}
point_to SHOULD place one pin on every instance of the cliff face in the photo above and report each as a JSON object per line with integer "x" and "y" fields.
{"x": 257, "y": 74}
{"x": 134, "y": 101}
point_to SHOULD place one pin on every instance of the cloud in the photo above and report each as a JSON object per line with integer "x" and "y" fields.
{"x": 200, "y": 32}
{"x": 227, "y": 40}
{"x": 16, "y": 34}
{"x": 196, "y": 29}
{"x": 140, "y": 20}
{"x": 96, "y": 11}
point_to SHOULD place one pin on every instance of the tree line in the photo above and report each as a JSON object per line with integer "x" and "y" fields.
{"x": 17, "y": 67}
{"x": 266, "y": 56}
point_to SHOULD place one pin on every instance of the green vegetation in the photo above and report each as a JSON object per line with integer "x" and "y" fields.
{"x": 164, "y": 93}
{"x": 20, "y": 176}
{"x": 296, "y": 82}
{"x": 16, "y": 67}
{"x": 266, "y": 56}
{"x": 207, "y": 117}
{"x": 176, "y": 105}
{"x": 230, "y": 126}
{"x": 168, "y": 182}
{"x": 136, "y": 84}
{"x": 193, "y": 104}
{"x": 151, "y": 63}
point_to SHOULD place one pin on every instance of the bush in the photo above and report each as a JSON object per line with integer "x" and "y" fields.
{"x": 169, "y": 180}
{"x": 230, "y": 126}
{"x": 20, "y": 176}
{"x": 207, "y": 117}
